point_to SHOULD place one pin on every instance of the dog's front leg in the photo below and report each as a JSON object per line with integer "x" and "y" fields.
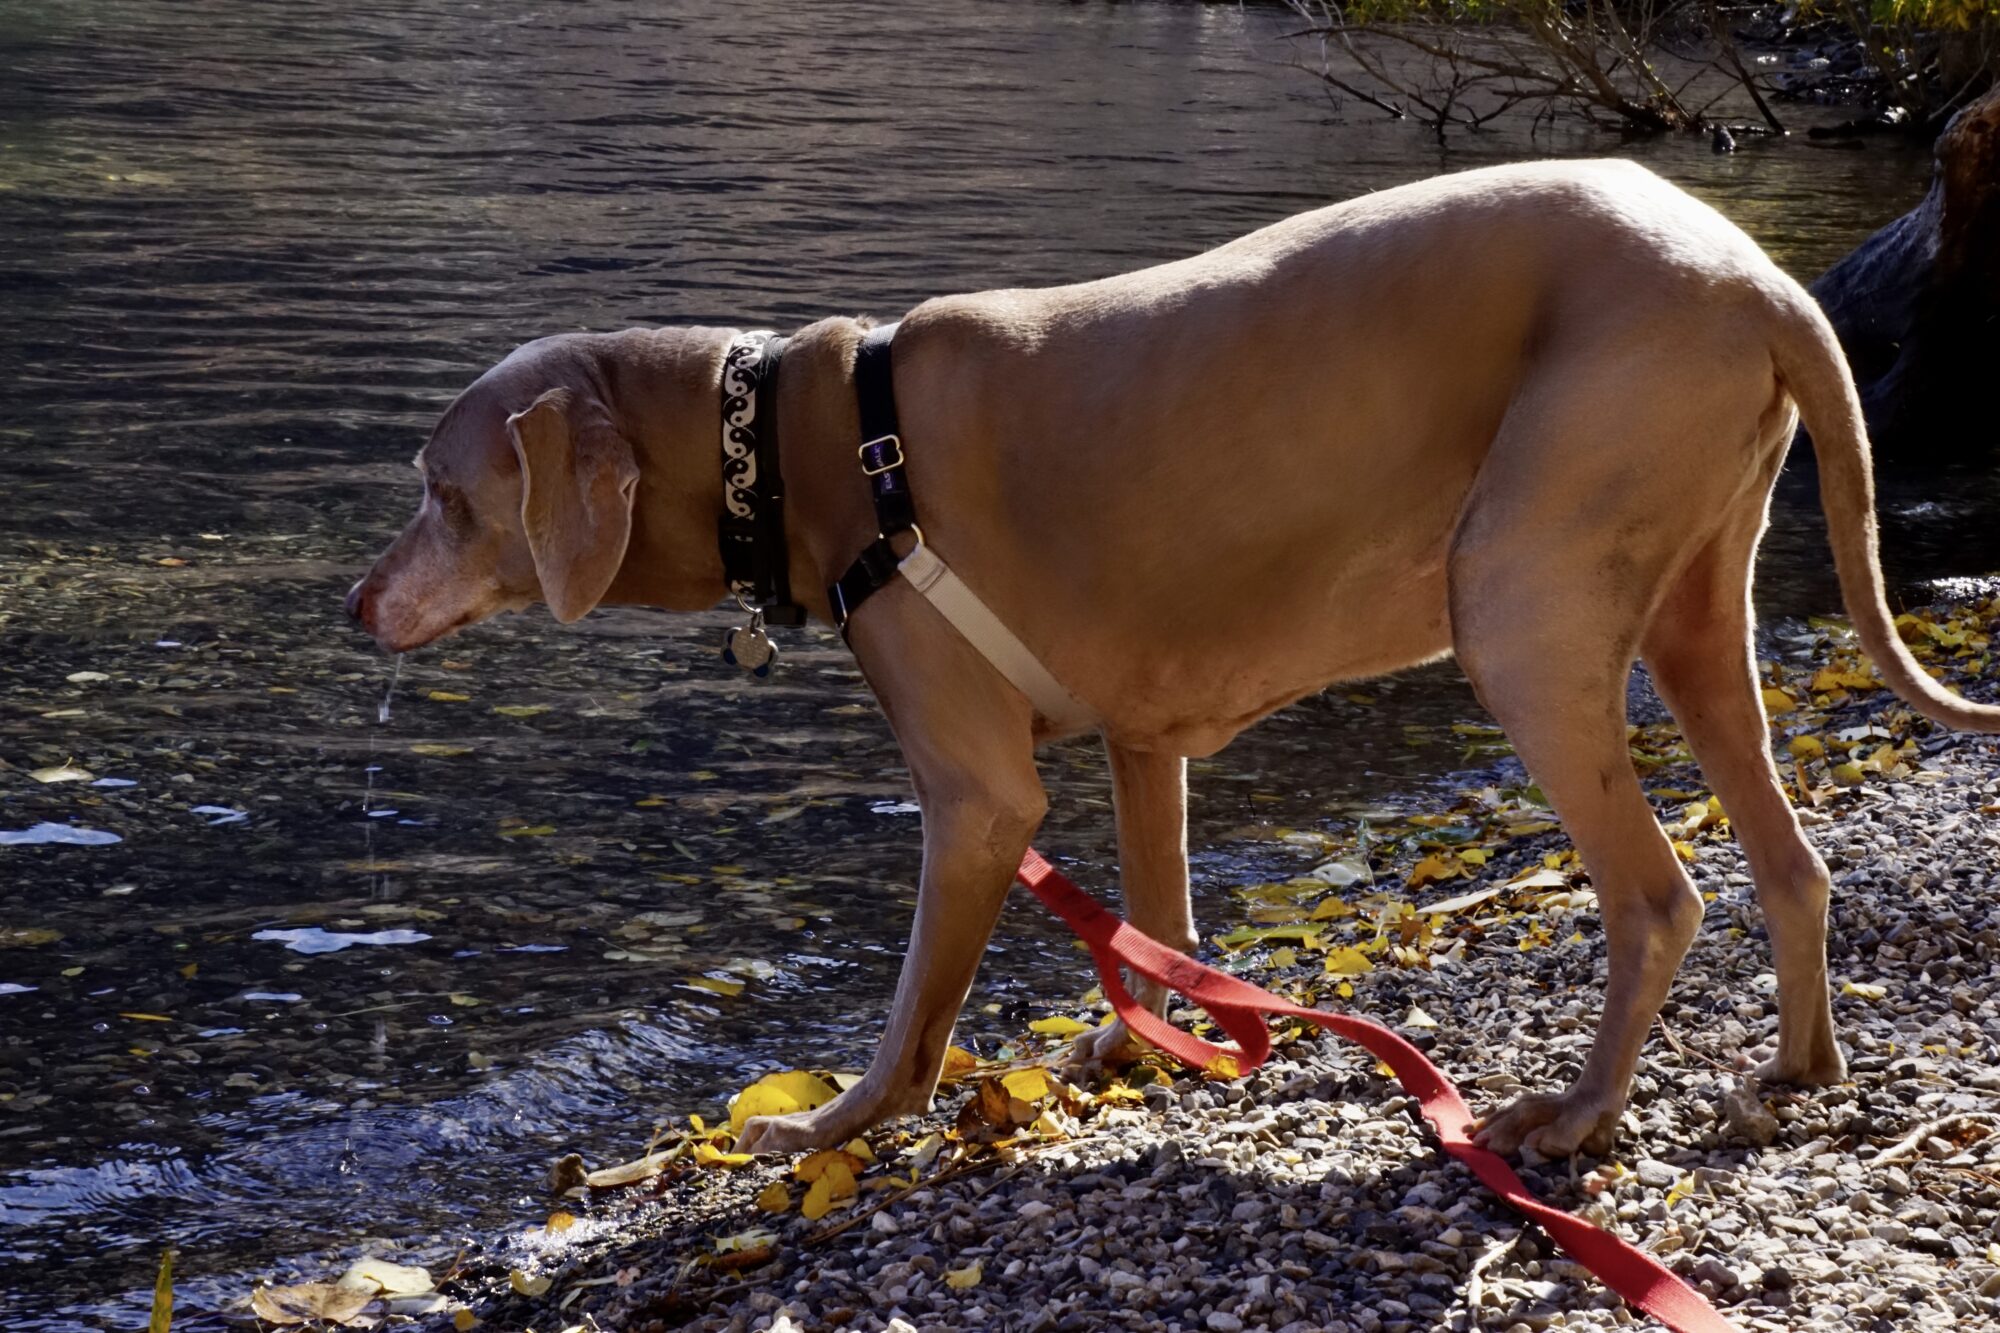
{"x": 1149, "y": 791}
{"x": 969, "y": 739}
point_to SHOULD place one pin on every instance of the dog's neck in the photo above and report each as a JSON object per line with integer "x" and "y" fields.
{"x": 665, "y": 386}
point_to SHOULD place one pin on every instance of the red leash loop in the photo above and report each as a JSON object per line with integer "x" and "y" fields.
{"x": 1240, "y": 1008}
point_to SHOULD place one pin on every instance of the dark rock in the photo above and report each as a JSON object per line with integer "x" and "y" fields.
{"x": 1917, "y": 305}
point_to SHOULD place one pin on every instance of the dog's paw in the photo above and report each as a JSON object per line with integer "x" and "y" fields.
{"x": 1108, "y": 1047}
{"x": 1554, "y": 1126}
{"x": 800, "y": 1131}
{"x": 1812, "y": 1070}
{"x": 859, "y": 1108}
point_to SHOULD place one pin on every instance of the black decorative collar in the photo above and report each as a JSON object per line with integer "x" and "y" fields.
{"x": 751, "y": 527}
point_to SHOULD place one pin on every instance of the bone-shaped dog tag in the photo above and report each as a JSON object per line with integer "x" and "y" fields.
{"x": 749, "y": 647}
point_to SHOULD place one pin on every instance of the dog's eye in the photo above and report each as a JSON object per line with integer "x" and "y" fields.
{"x": 449, "y": 500}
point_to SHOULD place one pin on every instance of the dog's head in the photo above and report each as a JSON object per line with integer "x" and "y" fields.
{"x": 529, "y": 490}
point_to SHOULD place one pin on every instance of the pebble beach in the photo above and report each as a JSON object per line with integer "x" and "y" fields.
{"x": 1308, "y": 1195}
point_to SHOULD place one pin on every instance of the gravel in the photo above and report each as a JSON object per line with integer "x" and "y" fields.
{"x": 1306, "y": 1196}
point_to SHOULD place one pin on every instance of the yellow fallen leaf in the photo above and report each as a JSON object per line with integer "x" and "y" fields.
{"x": 163, "y": 1295}
{"x": 518, "y": 710}
{"x": 963, "y": 1279}
{"x": 629, "y": 1173}
{"x": 859, "y": 1150}
{"x": 388, "y": 1279}
{"x": 1030, "y": 1085}
{"x": 1462, "y": 901}
{"x": 1474, "y": 856}
{"x": 439, "y": 751}
{"x": 61, "y": 773}
{"x": 1329, "y": 908}
{"x": 756, "y": 1238}
{"x": 1433, "y": 868}
{"x": 1805, "y": 747}
{"x": 1223, "y": 1066}
{"x": 464, "y": 1320}
{"x": 834, "y": 1184}
{"x": 310, "y": 1302}
{"x": 1777, "y": 701}
{"x": 1121, "y": 1094}
{"x": 775, "y": 1198}
{"x": 1347, "y": 961}
{"x": 1284, "y": 956}
{"x": 1865, "y": 990}
{"x": 529, "y": 831}
{"x": 148, "y": 1018}
{"x": 1849, "y": 775}
{"x": 813, "y": 1165}
{"x": 1058, "y": 1026}
{"x": 1052, "y": 1125}
{"x": 448, "y": 697}
{"x": 559, "y": 1222}
{"x": 529, "y": 1286}
{"x": 1417, "y": 1018}
{"x": 707, "y": 1154}
{"x": 779, "y": 1094}
{"x": 839, "y": 1177}
{"x": 717, "y": 984}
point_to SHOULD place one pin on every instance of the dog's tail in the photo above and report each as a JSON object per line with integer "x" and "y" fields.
{"x": 1814, "y": 371}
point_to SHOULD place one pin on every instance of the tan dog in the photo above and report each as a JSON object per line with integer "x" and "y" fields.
{"x": 1529, "y": 414}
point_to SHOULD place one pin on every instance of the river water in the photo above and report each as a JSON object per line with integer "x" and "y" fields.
{"x": 247, "y": 253}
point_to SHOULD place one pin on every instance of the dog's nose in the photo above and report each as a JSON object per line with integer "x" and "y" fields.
{"x": 356, "y": 608}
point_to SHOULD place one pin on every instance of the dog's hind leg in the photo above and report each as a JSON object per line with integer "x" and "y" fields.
{"x": 1150, "y": 794}
{"x": 1701, "y": 656}
{"x": 1566, "y": 545}
{"x": 968, "y": 738}
{"x": 1563, "y": 707}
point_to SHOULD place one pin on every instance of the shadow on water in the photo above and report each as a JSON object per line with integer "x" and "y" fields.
{"x": 249, "y": 256}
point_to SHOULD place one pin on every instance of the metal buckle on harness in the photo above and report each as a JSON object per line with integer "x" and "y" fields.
{"x": 894, "y": 442}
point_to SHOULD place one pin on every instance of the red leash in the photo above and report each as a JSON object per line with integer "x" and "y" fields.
{"x": 1240, "y": 1008}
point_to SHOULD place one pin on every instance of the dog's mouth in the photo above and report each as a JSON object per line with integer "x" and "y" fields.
{"x": 406, "y": 637}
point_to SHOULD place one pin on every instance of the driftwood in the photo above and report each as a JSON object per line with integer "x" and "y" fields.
{"x": 1917, "y": 305}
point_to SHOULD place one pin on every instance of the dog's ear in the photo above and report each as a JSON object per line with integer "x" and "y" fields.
{"x": 578, "y": 481}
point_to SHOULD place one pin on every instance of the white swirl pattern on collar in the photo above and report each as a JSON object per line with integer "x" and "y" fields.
{"x": 741, "y": 372}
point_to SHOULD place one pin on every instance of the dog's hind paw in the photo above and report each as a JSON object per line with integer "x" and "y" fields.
{"x": 1555, "y": 1126}
{"x": 1110, "y": 1046}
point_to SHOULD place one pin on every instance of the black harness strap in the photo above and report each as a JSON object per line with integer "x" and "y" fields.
{"x": 881, "y": 454}
{"x": 753, "y": 548}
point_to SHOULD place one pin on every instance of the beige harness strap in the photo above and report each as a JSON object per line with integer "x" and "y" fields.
{"x": 982, "y": 629}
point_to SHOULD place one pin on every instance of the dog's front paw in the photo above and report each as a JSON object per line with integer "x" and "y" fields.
{"x": 829, "y": 1126}
{"x": 800, "y": 1131}
{"x": 1814, "y": 1061}
{"x": 1821, "y": 1070}
{"x": 1554, "y": 1126}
